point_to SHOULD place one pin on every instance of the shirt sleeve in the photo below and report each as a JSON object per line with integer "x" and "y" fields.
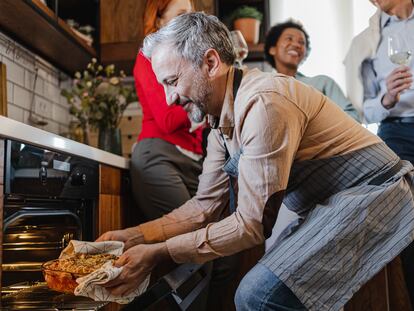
{"x": 270, "y": 137}
{"x": 168, "y": 118}
{"x": 374, "y": 111}
{"x": 334, "y": 92}
{"x": 208, "y": 204}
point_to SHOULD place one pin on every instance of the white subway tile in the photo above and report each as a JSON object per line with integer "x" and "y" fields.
{"x": 63, "y": 102}
{"x": 15, "y": 73}
{"x": 39, "y": 88}
{"x": 22, "y": 97}
{"x": 51, "y": 92}
{"x": 28, "y": 79}
{"x": 42, "y": 107}
{"x": 60, "y": 114}
{"x": 10, "y": 94}
{"x": 14, "y": 112}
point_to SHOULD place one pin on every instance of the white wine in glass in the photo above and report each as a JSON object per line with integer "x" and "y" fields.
{"x": 398, "y": 50}
{"x": 240, "y": 47}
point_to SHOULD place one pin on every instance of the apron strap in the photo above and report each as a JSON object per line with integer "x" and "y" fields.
{"x": 238, "y": 76}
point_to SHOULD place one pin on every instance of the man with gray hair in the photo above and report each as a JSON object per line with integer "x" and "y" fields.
{"x": 274, "y": 139}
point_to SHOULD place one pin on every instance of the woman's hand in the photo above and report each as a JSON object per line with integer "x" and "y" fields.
{"x": 130, "y": 236}
{"x": 137, "y": 262}
{"x": 399, "y": 80}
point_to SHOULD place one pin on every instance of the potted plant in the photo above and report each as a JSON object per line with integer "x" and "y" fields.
{"x": 247, "y": 19}
{"x": 98, "y": 99}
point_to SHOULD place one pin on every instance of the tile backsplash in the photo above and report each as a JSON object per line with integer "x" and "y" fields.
{"x": 32, "y": 99}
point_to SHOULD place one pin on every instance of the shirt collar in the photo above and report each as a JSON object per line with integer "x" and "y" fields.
{"x": 226, "y": 121}
{"x": 387, "y": 19}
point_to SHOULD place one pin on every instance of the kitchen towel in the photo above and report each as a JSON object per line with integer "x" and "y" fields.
{"x": 90, "y": 285}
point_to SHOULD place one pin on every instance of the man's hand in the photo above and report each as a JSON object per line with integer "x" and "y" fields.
{"x": 130, "y": 236}
{"x": 399, "y": 80}
{"x": 137, "y": 263}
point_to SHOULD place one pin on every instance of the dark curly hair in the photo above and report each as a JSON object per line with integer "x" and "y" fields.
{"x": 274, "y": 34}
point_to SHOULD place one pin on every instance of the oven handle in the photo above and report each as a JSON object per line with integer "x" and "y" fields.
{"x": 40, "y": 246}
{"x": 40, "y": 213}
{"x": 27, "y": 266}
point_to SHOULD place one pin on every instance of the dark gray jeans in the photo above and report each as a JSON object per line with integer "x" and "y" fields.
{"x": 162, "y": 177}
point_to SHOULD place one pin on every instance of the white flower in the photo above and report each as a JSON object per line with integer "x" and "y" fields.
{"x": 114, "y": 80}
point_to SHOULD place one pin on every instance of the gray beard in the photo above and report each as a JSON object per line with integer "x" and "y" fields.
{"x": 197, "y": 114}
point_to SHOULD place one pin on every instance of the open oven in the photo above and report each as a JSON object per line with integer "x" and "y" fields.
{"x": 49, "y": 199}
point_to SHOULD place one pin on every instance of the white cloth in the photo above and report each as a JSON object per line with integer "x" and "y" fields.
{"x": 363, "y": 46}
{"x": 90, "y": 285}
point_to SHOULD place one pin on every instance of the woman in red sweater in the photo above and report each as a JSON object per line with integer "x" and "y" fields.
{"x": 167, "y": 159}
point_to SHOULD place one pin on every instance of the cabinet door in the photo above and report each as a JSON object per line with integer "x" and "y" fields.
{"x": 110, "y": 210}
{"x": 1, "y": 202}
{"x": 121, "y": 31}
{"x": 206, "y": 6}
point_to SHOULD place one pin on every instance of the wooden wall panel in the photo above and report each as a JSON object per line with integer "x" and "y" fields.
{"x": 110, "y": 213}
{"x": 121, "y": 20}
{"x": 109, "y": 180}
{"x": 3, "y": 90}
{"x": 1, "y": 202}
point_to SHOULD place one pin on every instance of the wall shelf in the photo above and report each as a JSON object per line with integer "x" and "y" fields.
{"x": 36, "y": 27}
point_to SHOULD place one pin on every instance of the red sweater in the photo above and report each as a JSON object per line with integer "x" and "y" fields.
{"x": 169, "y": 123}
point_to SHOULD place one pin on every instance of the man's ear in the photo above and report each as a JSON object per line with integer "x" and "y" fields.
{"x": 158, "y": 22}
{"x": 212, "y": 61}
{"x": 272, "y": 51}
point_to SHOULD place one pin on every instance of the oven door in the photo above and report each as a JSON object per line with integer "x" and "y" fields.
{"x": 32, "y": 236}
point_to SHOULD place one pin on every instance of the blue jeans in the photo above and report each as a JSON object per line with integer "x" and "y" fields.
{"x": 261, "y": 289}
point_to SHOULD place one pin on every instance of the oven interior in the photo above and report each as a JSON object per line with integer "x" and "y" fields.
{"x": 49, "y": 199}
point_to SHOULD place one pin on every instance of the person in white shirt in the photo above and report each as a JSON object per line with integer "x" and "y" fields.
{"x": 382, "y": 90}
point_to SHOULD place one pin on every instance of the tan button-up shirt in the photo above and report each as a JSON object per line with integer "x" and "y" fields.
{"x": 275, "y": 121}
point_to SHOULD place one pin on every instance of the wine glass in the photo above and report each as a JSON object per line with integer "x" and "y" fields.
{"x": 398, "y": 50}
{"x": 240, "y": 47}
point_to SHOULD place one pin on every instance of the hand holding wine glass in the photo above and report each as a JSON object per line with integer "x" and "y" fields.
{"x": 400, "y": 79}
{"x": 399, "y": 53}
{"x": 240, "y": 47}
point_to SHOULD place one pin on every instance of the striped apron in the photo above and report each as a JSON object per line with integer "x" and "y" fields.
{"x": 350, "y": 229}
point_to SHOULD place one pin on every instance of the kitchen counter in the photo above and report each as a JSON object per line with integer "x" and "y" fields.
{"x": 31, "y": 135}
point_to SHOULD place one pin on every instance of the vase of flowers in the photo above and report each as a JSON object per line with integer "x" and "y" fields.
{"x": 98, "y": 100}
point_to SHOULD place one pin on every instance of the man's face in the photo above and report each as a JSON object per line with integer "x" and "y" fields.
{"x": 290, "y": 49}
{"x": 184, "y": 84}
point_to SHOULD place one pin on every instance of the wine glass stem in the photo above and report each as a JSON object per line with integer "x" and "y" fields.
{"x": 238, "y": 64}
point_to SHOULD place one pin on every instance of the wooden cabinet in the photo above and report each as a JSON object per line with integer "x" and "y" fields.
{"x": 1, "y": 201}
{"x": 110, "y": 210}
{"x": 116, "y": 209}
{"x": 121, "y": 30}
{"x": 37, "y": 27}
